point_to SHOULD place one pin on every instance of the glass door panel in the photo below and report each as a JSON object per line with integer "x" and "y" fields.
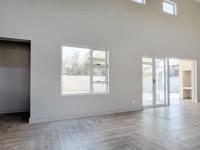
{"x": 147, "y": 82}
{"x": 160, "y": 82}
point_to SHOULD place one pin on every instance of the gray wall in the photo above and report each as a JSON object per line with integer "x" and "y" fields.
{"x": 14, "y": 77}
{"x": 127, "y": 29}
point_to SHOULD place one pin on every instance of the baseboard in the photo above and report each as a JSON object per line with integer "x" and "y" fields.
{"x": 49, "y": 119}
{"x": 15, "y": 111}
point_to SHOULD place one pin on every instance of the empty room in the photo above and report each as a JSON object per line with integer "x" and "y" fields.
{"x": 99, "y": 74}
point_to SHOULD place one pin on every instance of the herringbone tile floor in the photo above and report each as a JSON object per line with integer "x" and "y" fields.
{"x": 167, "y": 128}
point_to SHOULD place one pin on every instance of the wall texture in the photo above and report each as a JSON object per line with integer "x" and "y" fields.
{"x": 14, "y": 77}
{"x": 127, "y": 29}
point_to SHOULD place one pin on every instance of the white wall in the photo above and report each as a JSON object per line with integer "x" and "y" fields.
{"x": 14, "y": 77}
{"x": 127, "y": 29}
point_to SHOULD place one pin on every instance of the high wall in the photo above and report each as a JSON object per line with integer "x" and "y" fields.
{"x": 127, "y": 29}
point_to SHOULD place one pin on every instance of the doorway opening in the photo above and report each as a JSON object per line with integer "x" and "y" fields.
{"x": 182, "y": 80}
{"x": 14, "y": 76}
{"x": 168, "y": 81}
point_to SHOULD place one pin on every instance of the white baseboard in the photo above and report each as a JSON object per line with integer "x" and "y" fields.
{"x": 49, "y": 119}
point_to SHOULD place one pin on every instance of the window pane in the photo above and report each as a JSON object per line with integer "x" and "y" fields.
{"x": 99, "y": 78}
{"x": 99, "y": 54}
{"x": 147, "y": 84}
{"x": 99, "y": 88}
{"x": 140, "y": 1}
{"x": 76, "y": 84}
{"x": 75, "y": 70}
{"x": 99, "y": 71}
{"x": 99, "y": 63}
{"x": 169, "y": 7}
{"x": 147, "y": 60}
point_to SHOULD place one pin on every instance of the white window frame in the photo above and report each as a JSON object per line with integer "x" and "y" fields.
{"x": 143, "y": 2}
{"x": 92, "y": 66}
{"x": 174, "y": 6}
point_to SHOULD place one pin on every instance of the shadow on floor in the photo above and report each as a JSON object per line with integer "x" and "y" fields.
{"x": 16, "y": 117}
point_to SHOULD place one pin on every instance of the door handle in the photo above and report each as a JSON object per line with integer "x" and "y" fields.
{"x": 154, "y": 81}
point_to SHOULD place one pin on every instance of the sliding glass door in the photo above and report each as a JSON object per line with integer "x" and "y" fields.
{"x": 160, "y": 82}
{"x": 154, "y": 82}
{"x": 147, "y": 81}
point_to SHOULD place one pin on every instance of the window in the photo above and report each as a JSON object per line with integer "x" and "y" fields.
{"x": 169, "y": 7}
{"x": 139, "y": 1}
{"x": 84, "y": 70}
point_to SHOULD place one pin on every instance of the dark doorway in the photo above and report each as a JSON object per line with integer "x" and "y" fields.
{"x": 14, "y": 76}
